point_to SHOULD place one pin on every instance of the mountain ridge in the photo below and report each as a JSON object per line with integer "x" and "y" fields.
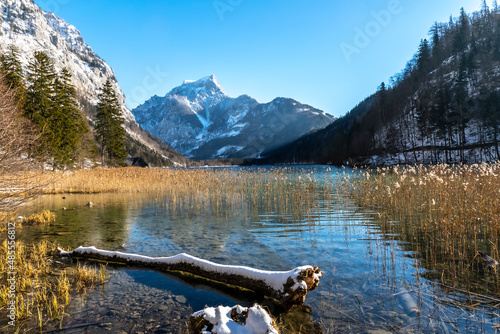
{"x": 443, "y": 107}
{"x": 199, "y": 120}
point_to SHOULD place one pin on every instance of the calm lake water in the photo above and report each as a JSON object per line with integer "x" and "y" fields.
{"x": 364, "y": 269}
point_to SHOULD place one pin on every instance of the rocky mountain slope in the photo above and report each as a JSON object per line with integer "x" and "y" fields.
{"x": 199, "y": 120}
{"x": 24, "y": 25}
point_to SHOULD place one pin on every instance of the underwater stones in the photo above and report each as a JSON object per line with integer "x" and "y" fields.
{"x": 180, "y": 299}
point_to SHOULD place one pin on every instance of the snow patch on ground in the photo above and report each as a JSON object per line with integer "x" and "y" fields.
{"x": 232, "y": 133}
{"x": 228, "y": 149}
{"x": 253, "y": 320}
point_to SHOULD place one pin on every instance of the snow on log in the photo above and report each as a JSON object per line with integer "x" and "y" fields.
{"x": 288, "y": 287}
{"x": 227, "y": 320}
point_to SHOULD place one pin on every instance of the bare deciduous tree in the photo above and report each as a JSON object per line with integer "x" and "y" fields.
{"x": 18, "y": 138}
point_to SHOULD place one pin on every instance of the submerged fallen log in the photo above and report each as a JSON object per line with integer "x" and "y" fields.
{"x": 408, "y": 302}
{"x": 289, "y": 288}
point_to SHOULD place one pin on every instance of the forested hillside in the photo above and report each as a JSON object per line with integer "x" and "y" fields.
{"x": 70, "y": 137}
{"x": 48, "y": 100}
{"x": 72, "y": 69}
{"x": 444, "y": 106}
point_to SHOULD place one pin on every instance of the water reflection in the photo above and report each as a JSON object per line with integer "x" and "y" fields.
{"x": 365, "y": 262}
{"x": 103, "y": 224}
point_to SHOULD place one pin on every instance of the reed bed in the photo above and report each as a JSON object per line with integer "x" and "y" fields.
{"x": 43, "y": 291}
{"x": 443, "y": 213}
{"x": 39, "y": 218}
{"x": 218, "y": 191}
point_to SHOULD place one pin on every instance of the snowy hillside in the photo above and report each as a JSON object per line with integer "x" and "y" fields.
{"x": 199, "y": 120}
{"x": 29, "y": 28}
{"x": 444, "y": 106}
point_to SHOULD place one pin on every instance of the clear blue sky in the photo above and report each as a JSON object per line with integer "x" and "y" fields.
{"x": 311, "y": 51}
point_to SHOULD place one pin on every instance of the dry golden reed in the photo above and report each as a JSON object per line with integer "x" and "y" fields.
{"x": 123, "y": 180}
{"x": 39, "y": 218}
{"x": 42, "y": 217}
{"x": 444, "y": 213}
{"x": 219, "y": 190}
{"x": 40, "y": 294}
{"x": 86, "y": 276}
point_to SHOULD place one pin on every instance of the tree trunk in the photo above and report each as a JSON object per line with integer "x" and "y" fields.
{"x": 496, "y": 145}
{"x": 288, "y": 287}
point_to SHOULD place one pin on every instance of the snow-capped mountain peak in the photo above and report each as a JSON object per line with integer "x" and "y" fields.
{"x": 208, "y": 85}
{"x": 201, "y": 121}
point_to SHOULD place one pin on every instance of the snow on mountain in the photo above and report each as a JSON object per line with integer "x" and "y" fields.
{"x": 29, "y": 28}
{"x": 199, "y": 120}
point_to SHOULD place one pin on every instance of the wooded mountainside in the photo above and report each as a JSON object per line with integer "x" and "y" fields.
{"x": 48, "y": 100}
{"x": 444, "y": 106}
{"x": 72, "y": 132}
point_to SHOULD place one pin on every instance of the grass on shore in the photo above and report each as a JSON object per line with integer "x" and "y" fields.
{"x": 42, "y": 290}
{"x": 39, "y": 218}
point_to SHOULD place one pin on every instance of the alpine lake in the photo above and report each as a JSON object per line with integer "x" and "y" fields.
{"x": 367, "y": 266}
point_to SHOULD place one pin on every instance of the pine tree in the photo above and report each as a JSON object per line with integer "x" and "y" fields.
{"x": 461, "y": 38}
{"x": 66, "y": 123}
{"x": 460, "y": 114}
{"x": 109, "y": 125}
{"x": 490, "y": 116}
{"x": 422, "y": 118}
{"x": 485, "y": 10}
{"x": 52, "y": 105}
{"x": 440, "y": 117}
{"x": 436, "y": 43}
{"x": 496, "y": 41}
{"x": 423, "y": 56}
{"x": 451, "y": 23}
{"x": 10, "y": 68}
{"x": 470, "y": 58}
{"x": 39, "y": 103}
{"x": 382, "y": 102}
